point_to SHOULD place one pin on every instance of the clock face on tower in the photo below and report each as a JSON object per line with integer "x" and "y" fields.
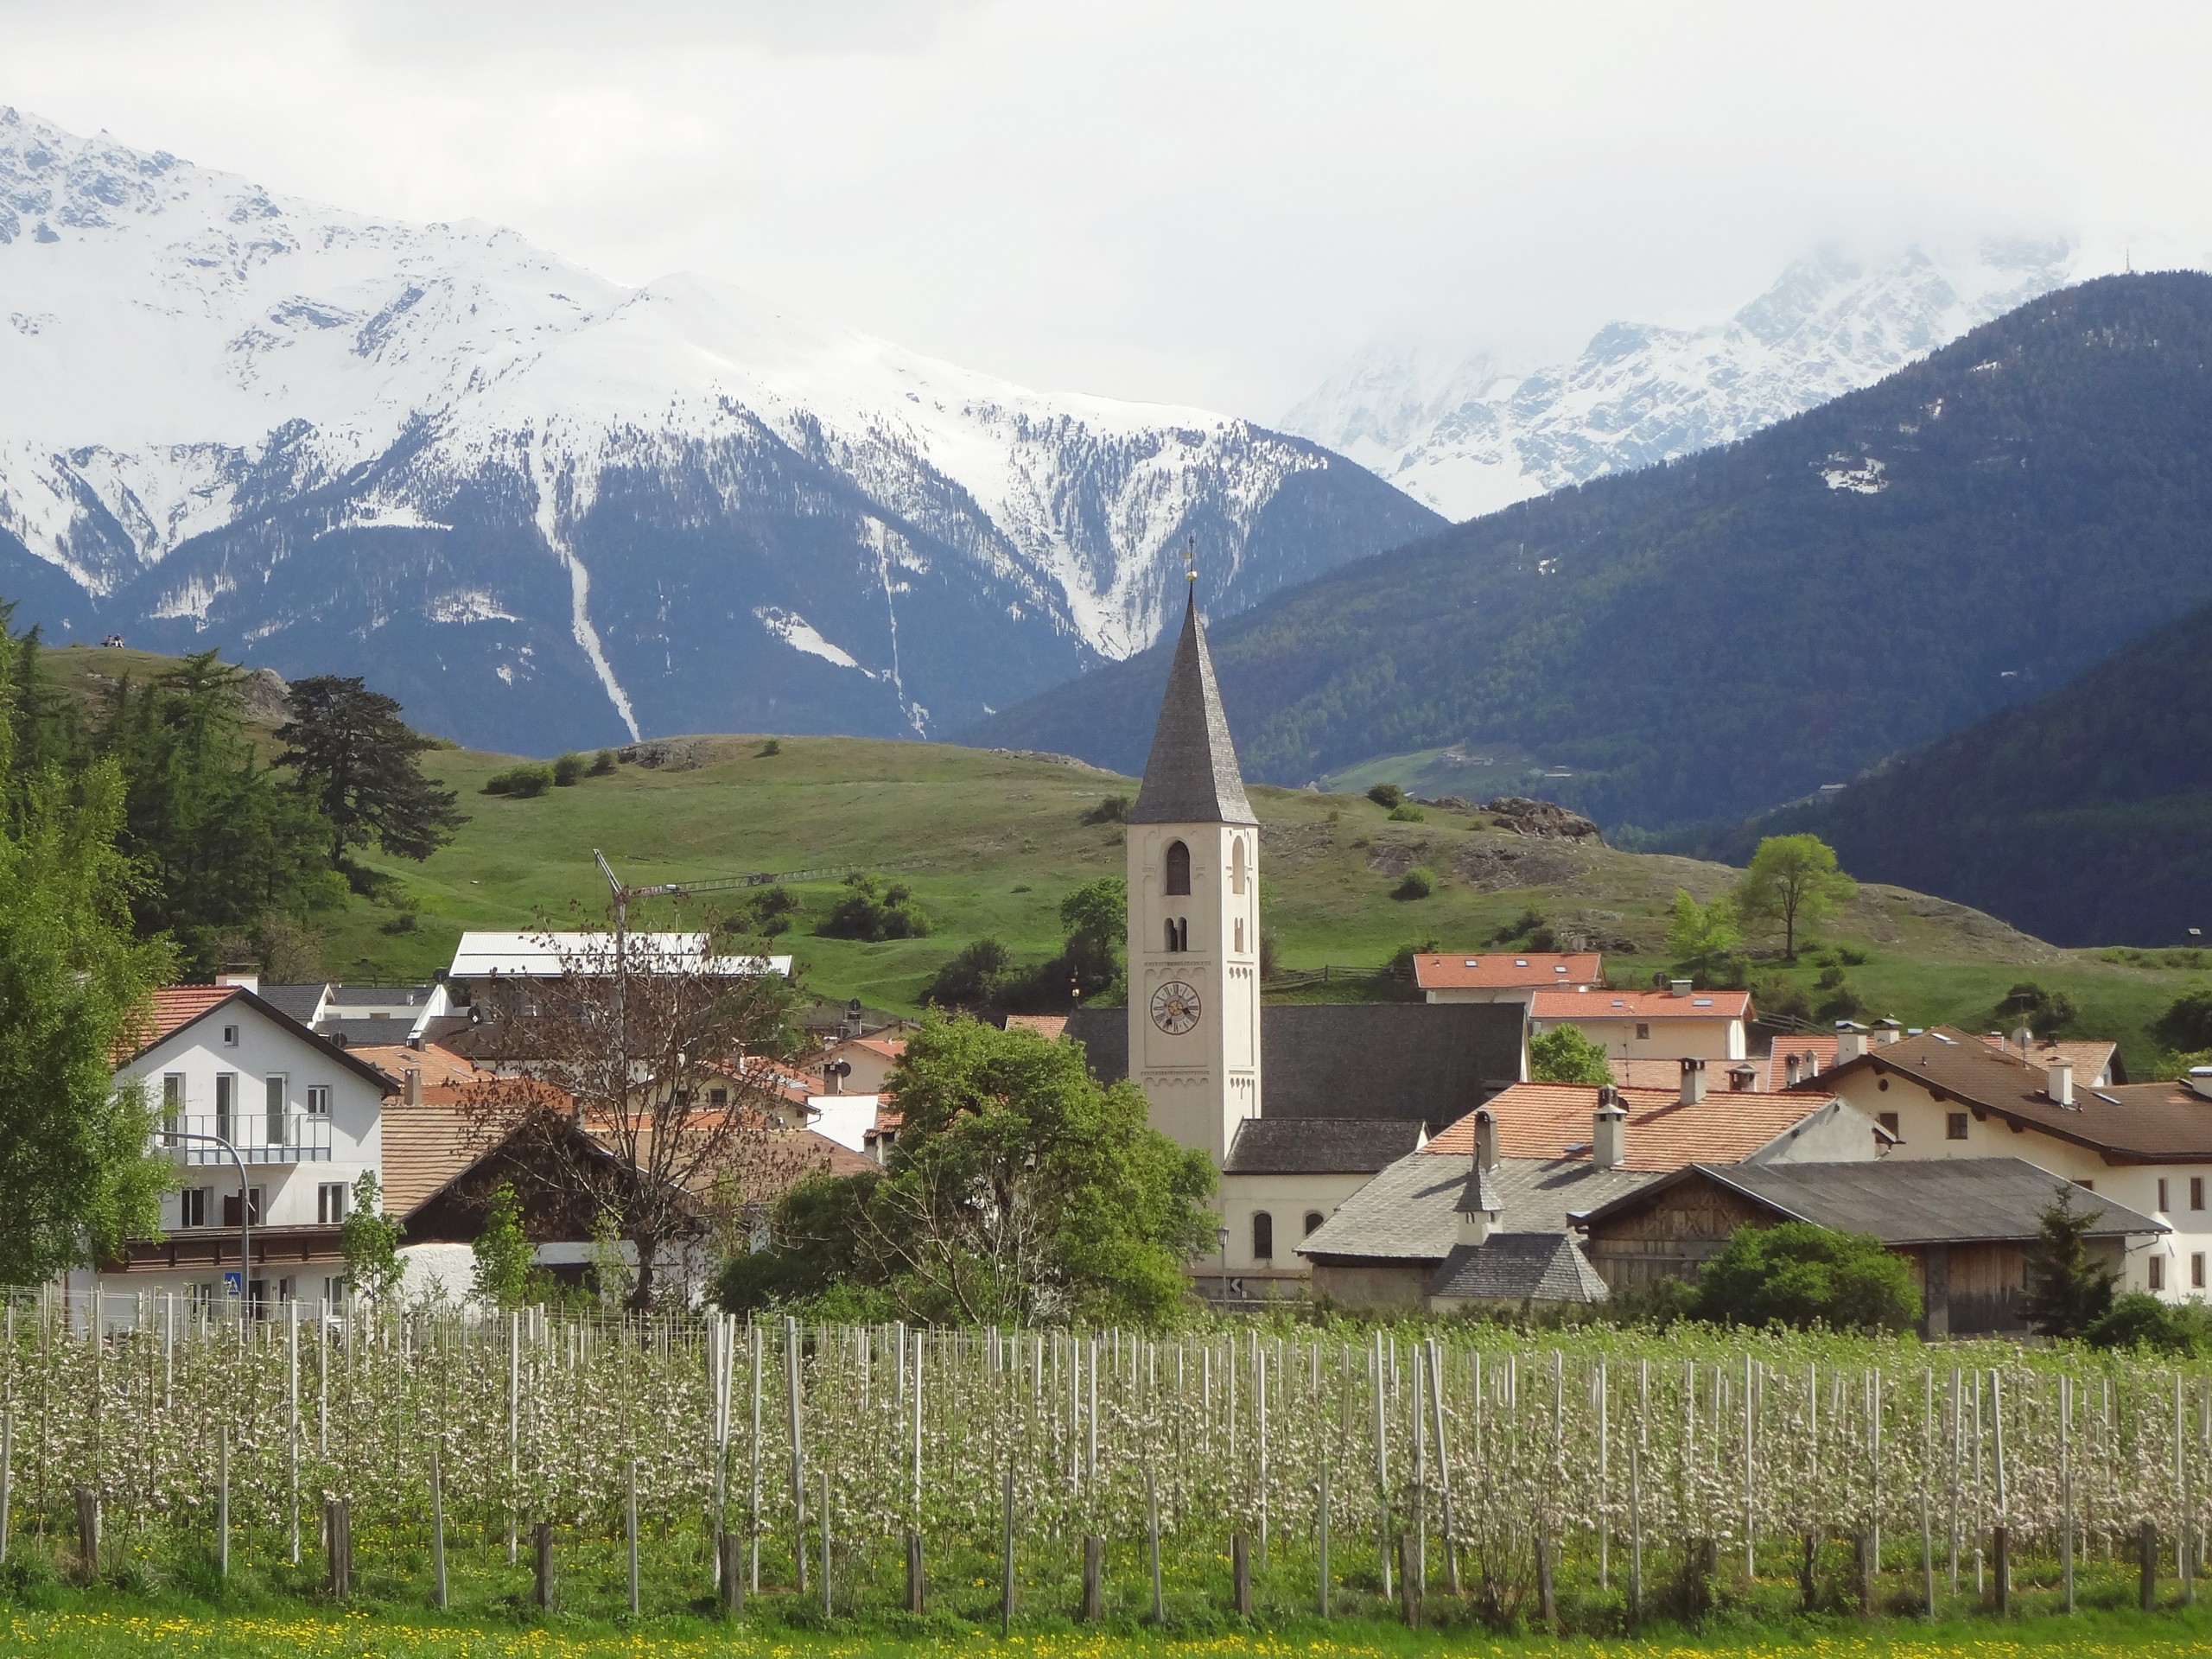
{"x": 1175, "y": 1008}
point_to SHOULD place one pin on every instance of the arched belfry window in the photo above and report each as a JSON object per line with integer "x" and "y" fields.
{"x": 1179, "y": 933}
{"x": 1237, "y": 866}
{"x": 1179, "y": 867}
{"x": 1264, "y": 1236}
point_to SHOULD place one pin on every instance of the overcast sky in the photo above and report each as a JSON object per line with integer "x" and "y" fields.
{"x": 1203, "y": 202}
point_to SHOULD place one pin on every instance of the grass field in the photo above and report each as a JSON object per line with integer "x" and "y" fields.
{"x": 1003, "y": 837}
{"x": 98, "y": 1624}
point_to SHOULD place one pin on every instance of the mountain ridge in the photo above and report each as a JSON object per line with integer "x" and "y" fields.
{"x": 1703, "y": 639}
{"x": 1474, "y": 435}
{"x": 557, "y": 510}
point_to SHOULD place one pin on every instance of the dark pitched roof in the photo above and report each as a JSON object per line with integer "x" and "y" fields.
{"x": 366, "y": 1030}
{"x": 1321, "y": 1146}
{"x": 1408, "y": 1212}
{"x": 1433, "y": 1061}
{"x": 1190, "y": 776}
{"x": 2148, "y": 1123}
{"x": 1928, "y": 1201}
{"x": 299, "y": 1000}
{"x": 1519, "y": 1267}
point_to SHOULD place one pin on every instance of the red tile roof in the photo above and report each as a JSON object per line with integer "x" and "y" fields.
{"x": 437, "y": 1064}
{"x": 1544, "y": 1120}
{"x": 1047, "y": 1025}
{"x": 1505, "y": 970}
{"x": 171, "y": 1008}
{"x": 1639, "y": 1005}
{"x": 2090, "y": 1058}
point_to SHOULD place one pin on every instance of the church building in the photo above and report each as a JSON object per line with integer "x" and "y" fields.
{"x": 1298, "y": 1105}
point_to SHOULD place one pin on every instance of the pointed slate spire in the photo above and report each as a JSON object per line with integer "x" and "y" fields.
{"x": 1190, "y": 776}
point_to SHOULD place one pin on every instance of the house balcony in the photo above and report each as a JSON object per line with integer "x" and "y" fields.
{"x": 260, "y": 1138}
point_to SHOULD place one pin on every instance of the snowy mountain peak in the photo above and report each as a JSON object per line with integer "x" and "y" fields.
{"x": 536, "y": 501}
{"x": 1468, "y": 438}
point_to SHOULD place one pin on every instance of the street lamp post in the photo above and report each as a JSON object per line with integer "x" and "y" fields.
{"x": 246, "y": 1200}
{"x": 1221, "y": 1234}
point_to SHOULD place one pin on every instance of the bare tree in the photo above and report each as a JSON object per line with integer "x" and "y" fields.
{"x": 650, "y": 1090}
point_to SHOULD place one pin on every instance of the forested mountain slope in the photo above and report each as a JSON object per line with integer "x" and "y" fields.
{"x": 2084, "y": 817}
{"x": 1702, "y": 641}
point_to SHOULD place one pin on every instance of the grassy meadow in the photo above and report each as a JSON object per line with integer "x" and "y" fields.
{"x": 990, "y": 841}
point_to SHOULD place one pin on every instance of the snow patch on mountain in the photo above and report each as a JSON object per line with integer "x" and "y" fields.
{"x": 1472, "y": 434}
{"x": 340, "y": 421}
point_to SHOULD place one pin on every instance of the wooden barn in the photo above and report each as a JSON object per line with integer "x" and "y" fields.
{"x": 1964, "y": 1224}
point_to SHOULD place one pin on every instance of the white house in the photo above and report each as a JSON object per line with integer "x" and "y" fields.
{"x": 231, "y": 1074}
{"x": 1945, "y": 1094}
{"x": 1678, "y": 1023}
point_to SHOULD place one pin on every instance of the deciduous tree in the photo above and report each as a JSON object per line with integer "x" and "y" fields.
{"x": 1563, "y": 1054}
{"x": 77, "y": 1178}
{"x": 1793, "y": 880}
{"x": 1019, "y": 1190}
{"x": 1800, "y": 1275}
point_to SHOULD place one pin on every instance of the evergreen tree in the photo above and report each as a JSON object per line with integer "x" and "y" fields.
{"x": 2066, "y": 1291}
{"x": 362, "y": 766}
{"x": 222, "y": 844}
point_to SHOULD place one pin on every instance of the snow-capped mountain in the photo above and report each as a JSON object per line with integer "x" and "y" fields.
{"x": 542, "y": 509}
{"x": 1471, "y": 435}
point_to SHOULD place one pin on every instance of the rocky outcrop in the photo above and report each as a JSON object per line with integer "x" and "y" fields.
{"x": 1546, "y": 820}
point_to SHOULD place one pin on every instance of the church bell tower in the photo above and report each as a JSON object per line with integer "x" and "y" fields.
{"x": 1194, "y": 916}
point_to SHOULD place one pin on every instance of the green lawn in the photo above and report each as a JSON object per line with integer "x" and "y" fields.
{"x": 1000, "y": 838}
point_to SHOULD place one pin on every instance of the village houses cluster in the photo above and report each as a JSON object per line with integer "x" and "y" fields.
{"x": 1378, "y": 1155}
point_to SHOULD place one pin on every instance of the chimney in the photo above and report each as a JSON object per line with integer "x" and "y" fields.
{"x": 1608, "y": 1130}
{"x": 1886, "y": 1032}
{"x": 1485, "y": 1138}
{"x": 414, "y": 1042}
{"x": 1742, "y": 1077}
{"x": 1680, "y": 987}
{"x": 1793, "y": 1065}
{"x": 245, "y": 981}
{"x": 411, "y": 1085}
{"x": 834, "y": 1074}
{"x": 1850, "y": 1041}
{"x": 2061, "y": 1073}
{"x": 1693, "y": 1081}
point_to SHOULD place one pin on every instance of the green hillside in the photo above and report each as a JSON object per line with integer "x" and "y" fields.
{"x": 1004, "y": 836}
{"x": 2082, "y": 815}
{"x": 989, "y": 841}
{"x": 1705, "y": 640}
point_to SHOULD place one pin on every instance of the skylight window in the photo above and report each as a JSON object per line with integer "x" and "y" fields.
{"x": 1559, "y": 968}
{"x": 1520, "y": 962}
{"x": 1948, "y": 1042}
{"x": 1618, "y": 1003}
{"x": 1700, "y": 1003}
{"x": 1471, "y": 961}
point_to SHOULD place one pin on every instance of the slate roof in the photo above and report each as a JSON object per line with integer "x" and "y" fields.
{"x": 1927, "y": 1201}
{"x": 1321, "y": 1146}
{"x": 1433, "y": 1061}
{"x": 1519, "y": 1267}
{"x": 1543, "y": 1120}
{"x": 1190, "y": 776}
{"x": 2141, "y": 1122}
{"x": 1409, "y": 1211}
{"x": 300, "y": 1002}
